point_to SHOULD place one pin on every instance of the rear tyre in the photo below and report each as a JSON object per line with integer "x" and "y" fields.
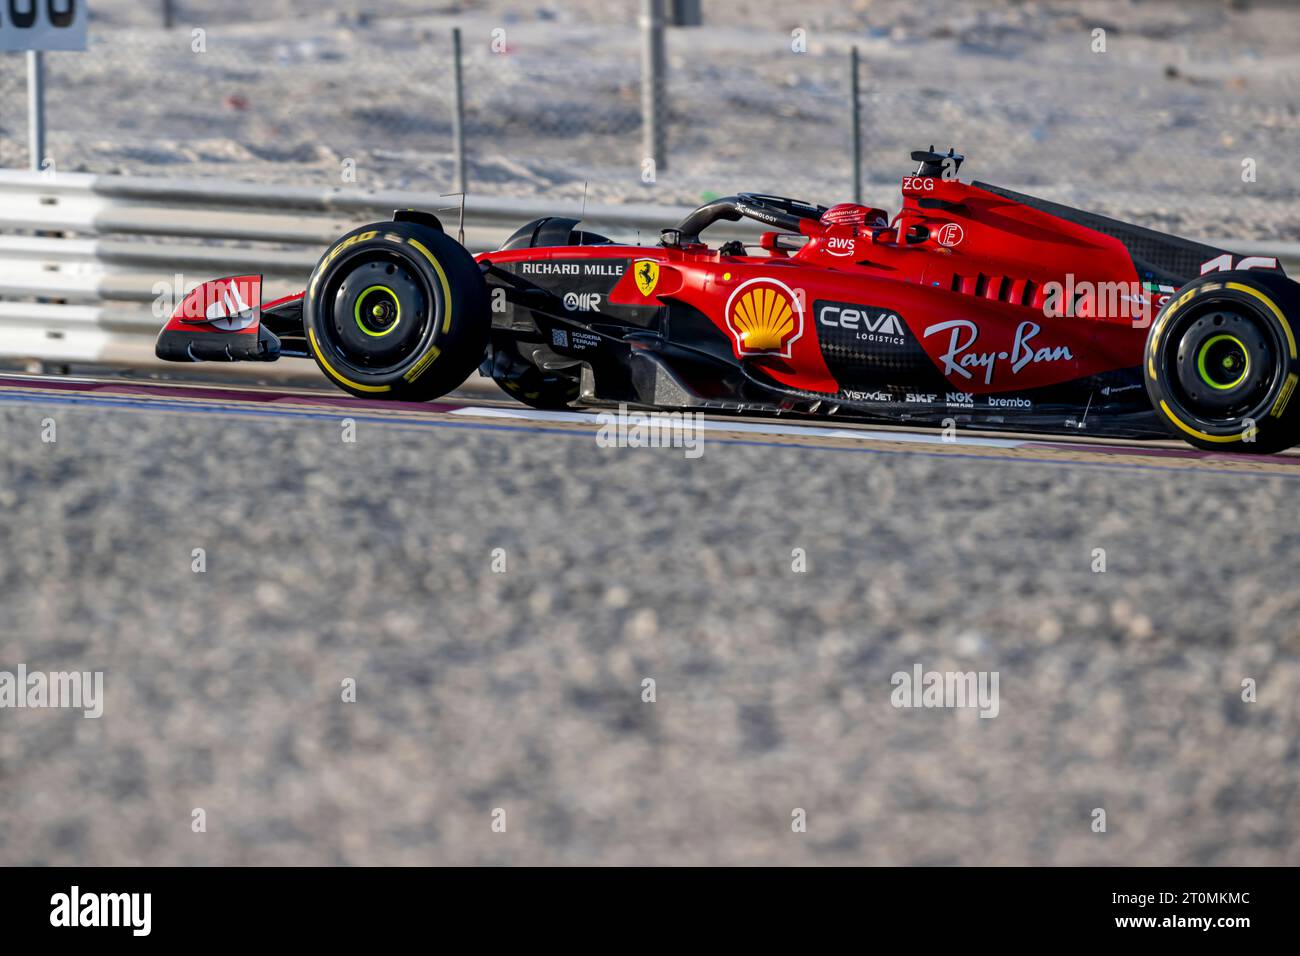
{"x": 1221, "y": 362}
{"x": 397, "y": 310}
{"x": 526, "y": 382}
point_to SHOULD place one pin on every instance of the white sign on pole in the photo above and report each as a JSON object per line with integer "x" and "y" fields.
{"x": 43, "y": 24}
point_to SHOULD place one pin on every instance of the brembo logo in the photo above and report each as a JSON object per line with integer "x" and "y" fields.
{"x": 765, "y": 317}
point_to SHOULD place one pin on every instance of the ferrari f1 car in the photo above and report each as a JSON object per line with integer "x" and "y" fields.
{"x": 973, "y": 306}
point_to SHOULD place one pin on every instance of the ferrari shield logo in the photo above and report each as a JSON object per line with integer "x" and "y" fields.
{"x": 647, "y": 276}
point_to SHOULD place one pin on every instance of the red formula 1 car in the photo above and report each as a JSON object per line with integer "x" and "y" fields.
{"x": 973, "y": 305}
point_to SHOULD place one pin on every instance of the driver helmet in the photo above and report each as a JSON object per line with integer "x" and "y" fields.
{"x": 854, "y": 214}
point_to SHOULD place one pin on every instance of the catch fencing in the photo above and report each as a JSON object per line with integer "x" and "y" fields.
{"x": 364, "y": 94}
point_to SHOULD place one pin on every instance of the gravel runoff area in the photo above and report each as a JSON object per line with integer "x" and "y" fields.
{"x": 1155, "y": 128}
{"x": 522, "y": 690}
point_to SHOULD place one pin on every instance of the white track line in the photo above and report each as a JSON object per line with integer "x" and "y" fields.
{"x": 753, "y": 428}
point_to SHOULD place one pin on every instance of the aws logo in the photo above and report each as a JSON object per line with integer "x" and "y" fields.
{"x": 840, "y": 246}
{"x": 765, "y": 317}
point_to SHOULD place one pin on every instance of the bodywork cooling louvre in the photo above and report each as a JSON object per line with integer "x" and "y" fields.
{"x": 997, "y": 288}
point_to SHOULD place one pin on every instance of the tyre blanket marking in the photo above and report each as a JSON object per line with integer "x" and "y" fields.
{"x": 425, "y": 361}
{"x": 1284, "y": 396}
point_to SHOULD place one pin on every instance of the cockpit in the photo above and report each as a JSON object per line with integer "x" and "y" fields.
{"x": 793, "y": 221}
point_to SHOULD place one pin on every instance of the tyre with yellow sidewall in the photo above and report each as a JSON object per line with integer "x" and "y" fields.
{"x": 1221, "y": 362}
{"x": 396, "y": 310}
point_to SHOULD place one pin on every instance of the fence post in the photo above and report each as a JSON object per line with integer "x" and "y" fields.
{"x": 857, "y": 127}
{"x": 35, "y": 109}
{"x": 653, "y": 65}
{"x": 685, "y": 13}
{"x": 457, "y": 114}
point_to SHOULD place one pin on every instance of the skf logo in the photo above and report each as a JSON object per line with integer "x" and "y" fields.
{"x": 582, "y": 301}
{"x": 765, "y": 317}
{"x": 647, "y": 276}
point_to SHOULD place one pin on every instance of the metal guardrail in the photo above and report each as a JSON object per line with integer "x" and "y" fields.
{"x": 84, "y": 259}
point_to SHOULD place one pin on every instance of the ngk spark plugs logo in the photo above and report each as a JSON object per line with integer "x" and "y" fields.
{"x": 765, "y": 317}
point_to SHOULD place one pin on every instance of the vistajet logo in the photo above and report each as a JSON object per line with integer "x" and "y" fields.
{"x": 133, "y": 910}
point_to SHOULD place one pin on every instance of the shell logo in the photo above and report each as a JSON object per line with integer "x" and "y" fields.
{"x": 765, "y": 317}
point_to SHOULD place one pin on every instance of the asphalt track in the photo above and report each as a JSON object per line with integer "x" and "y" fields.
{"x": 520, "y": 687}
{"x": 474, "y": 411}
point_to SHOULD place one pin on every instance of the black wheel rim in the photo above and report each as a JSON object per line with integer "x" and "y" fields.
{"x": 377, "y": 312}
{"x": 1222, "y": 362}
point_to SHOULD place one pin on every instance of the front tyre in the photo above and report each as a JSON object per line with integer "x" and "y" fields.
{"x": 396, "y": 310}
{"x": 1221, "y": 363}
